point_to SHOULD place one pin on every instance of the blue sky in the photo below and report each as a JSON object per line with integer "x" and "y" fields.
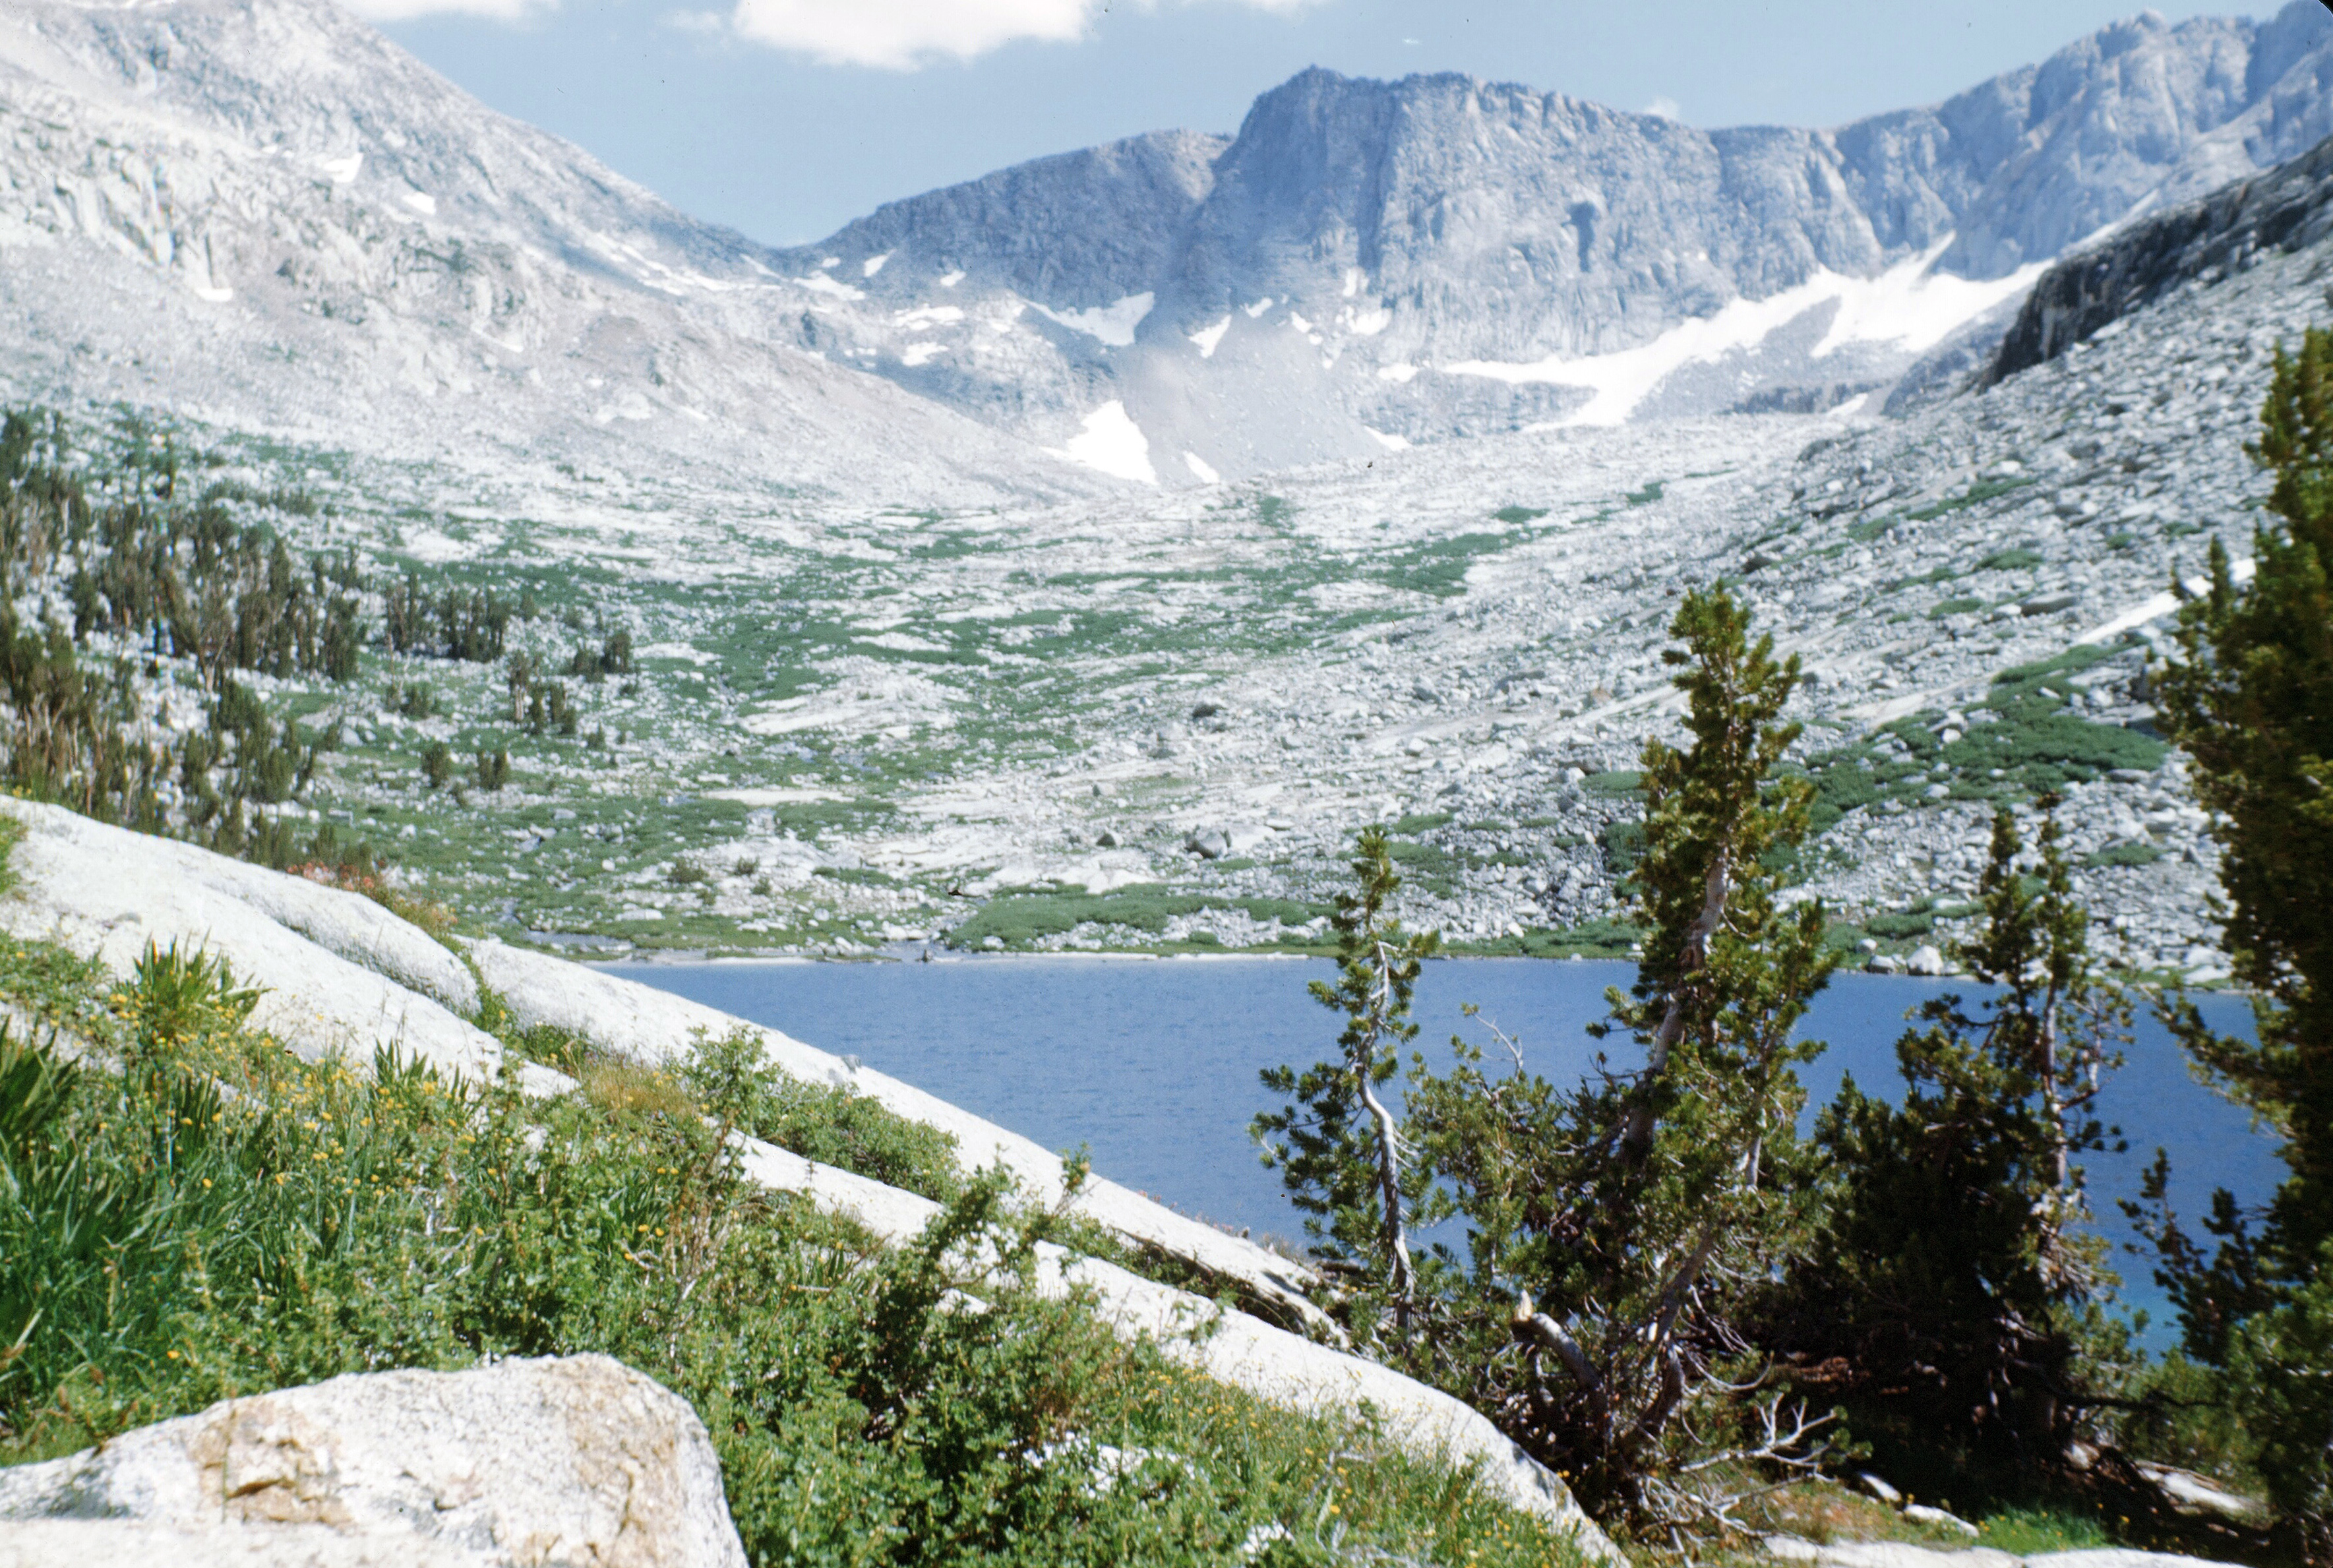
{"x": 787, "y": 117}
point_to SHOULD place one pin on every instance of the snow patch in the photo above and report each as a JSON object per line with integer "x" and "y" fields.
{"x": 1207, "y": 338}
{"x": 1203, "y": 474}
{"x": 1112, "y": 442}
{"x": 1113, "y": 323}
{"x": 874, "y": 265}
{"x": 686, "y": 652}
{"x": 1915, "y": 308}
{"x": 951, "y": 280}
{"x": 1388, "y": 440}
{"x": 212, "y": 296}
{"x": 924, "y": 316}
{"x": 1398, "y": 374}
{"x": 2239, "y": 572}
{"x": 1298, "y": 322}
{"x": 922, "y": 353}
{"x": 819, "y": 282}
{"x": 344, "y": 170}
{"x": 1258, "y": 308}
{"x": 1909, "y": 306}
{"x": 1354, "y": 278}
{"x": 1366, "y": 324}
{"x": 420, "y": 201}
{"x": 435, "y": 548}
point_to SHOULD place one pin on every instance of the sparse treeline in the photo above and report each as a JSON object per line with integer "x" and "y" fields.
{"x": 115, "y": 563}
{"x": 1668, "y": 1294}
{"x": 157, "y": 575}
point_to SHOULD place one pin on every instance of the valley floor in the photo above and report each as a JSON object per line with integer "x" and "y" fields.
{"x": 1155, "y": 721}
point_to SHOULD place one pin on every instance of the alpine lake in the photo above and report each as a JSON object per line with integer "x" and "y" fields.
{"x": 1151, "y": 1064}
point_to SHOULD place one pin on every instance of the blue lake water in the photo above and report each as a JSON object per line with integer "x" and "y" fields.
{"x": 1152, "y": 1064}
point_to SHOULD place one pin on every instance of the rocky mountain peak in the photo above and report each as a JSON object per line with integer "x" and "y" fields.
{"x": 343, "y": 237}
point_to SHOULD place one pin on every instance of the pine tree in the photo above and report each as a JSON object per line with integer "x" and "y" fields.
{"x": 2250, "y": 698}
{"x": 1615, "y": 1229}
{"x": 1339, "y": 1146}
{"x": 1950, "y": 1289}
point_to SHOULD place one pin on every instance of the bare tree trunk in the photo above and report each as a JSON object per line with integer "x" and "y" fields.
{"x": 1363, "y": 1068}
{"x": 1529, "y": 1322}
{"x": 1637, "y": 1142}
{"x": 2053, "y": 1108}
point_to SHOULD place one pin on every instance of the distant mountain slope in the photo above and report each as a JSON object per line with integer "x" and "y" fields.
{"x": 1431, "y": 257}
{"x": 264, "y": 211}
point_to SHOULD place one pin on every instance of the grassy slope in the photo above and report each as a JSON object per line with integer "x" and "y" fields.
{"x": 164, "y": 1245}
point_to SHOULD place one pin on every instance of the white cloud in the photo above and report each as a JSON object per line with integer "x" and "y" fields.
{"x": 1665, "y": 107}
{"x": 902, "y": 34}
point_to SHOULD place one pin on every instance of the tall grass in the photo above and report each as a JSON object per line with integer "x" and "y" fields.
{"x": 191, "y": 1213}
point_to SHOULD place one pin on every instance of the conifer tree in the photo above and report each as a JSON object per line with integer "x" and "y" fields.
{"x": 2250, "y": 698}
{"x": 1339, "y": 1146}
{"x": 1949, "y": 1289}
{"x": 1616, "y": 1228}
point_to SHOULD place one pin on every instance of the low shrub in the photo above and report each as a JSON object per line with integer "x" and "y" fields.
{"x": 2018, "y": 559}
{"x": 219, "y": 1218}
{"x": 1021, "y": 918}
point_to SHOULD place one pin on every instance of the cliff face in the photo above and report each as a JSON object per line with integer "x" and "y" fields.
{"x": 1434, "y": 256}
{"x": 263, "y": 210}
{"x": 2287, "y": 209}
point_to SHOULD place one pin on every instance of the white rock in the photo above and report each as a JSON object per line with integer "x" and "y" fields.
{"x": 1899, "y": 1555}
{"x": 119, "y": 1542}
{"x": 1925, "y": 1514}
{"x": 1925, "y": 960}
{"x": 342, "y": 974}
{"x": 645, "y": 1025}
{"x": 2119, "y": 1557}
{"x": 576, "y": 1461}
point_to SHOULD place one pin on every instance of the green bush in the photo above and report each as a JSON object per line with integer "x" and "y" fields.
{"x": 2132, "y": 854}
{"x": 1598, "y": 938}
{"x": 1955, "y": 607}
{"x": 164, "y": 1243}
{"x": 1025, "y": 918}
{"x": 1624, "y": 846}
{"x": 1438, "y": 566}
{"x": 832, "y": 1123}
{"x": 855, "y": 876}
{"x": 2018, "y": 559}
{"x": 1615, "y": 784}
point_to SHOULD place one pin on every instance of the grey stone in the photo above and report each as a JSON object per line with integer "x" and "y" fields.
{"x": 577, "y": 1461}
